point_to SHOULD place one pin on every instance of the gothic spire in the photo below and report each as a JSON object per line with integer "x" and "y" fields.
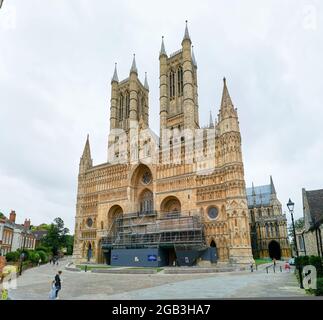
{"x": 226, "y": 99}
{"x": 133, "y": 66}
{"x": 272, "y": 186}
{"x": 87, "y": 150}
{"x": 162, "y": 48}
{"x": 186, "y": 34}
{"x": 146, "y": 82}
{"x": 115, "y": 74}
{"x": 193, "y": 58}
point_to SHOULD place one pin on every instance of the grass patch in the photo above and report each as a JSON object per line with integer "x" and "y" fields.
{"x": 89, "y": 268}
{"x": 147, "y": 268}
{"x": 262, "y": 261}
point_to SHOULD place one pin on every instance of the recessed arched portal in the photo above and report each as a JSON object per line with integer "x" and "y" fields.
{"x": 213, "y": 252}
{"x": 274, "y": 250}
{"x": 114, "y": 212}
{"x": 89, "y": 252}
{"x": 170, "y": 204}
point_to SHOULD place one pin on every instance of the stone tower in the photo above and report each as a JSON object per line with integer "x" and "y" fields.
{"x": 178, "y": 87}
{"x": 129, "y": 106}
{"x": 229, "y": 142}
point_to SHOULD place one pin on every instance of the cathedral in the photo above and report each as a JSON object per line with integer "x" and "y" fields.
{"x": 174, "y": 199}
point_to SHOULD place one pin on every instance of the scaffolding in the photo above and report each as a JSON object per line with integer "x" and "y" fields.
{"x": 153, "y": 229}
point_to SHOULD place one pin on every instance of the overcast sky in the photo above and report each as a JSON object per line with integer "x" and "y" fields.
{"x": 57, "y": 59}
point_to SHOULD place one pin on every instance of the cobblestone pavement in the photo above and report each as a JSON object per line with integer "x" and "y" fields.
{"x": 34, "y": 284}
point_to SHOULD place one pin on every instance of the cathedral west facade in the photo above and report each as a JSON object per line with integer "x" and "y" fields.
{"x": 174, "y": 199}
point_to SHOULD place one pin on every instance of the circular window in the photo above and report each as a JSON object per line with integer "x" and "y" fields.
{"x": 89, "y": 222}
{"x": 213, "y": 212}
{"x": 146, "y": 178}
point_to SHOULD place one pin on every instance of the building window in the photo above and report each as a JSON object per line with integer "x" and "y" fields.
{"x": 127, "y": 105}
{"x": 146, "y": 178}
{"x": 121, "y": 107}
{"x": 180, "y": 81}
{"x": 172, "y": 84}
{"x": 89, "y": 222}
{"x": 213, "y": 212}
{"x": 147, "y": 204}
{"x": 301, "y": 243}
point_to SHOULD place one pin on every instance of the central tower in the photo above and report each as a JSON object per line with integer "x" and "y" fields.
{"x": 178, "y": 87}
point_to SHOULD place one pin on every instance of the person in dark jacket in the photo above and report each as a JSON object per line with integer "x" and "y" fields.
{"x": 58, "y": 284}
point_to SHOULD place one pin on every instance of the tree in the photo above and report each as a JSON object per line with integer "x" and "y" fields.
{"x": 41, "y": 227}
{"x": 69, "y": 244}
{"x": 299, "y": 225}
{"x": 56, "y": 237}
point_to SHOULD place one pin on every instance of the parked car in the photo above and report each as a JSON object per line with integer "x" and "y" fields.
{"x": 291, "y": 261}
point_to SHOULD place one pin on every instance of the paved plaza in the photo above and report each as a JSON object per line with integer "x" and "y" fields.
{"x": 34, "y": 284}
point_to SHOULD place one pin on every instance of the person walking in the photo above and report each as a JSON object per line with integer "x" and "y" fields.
{"x": 287, "y": 267}
{"x": 58, "y": 283}
{"x": 52, "y": 293}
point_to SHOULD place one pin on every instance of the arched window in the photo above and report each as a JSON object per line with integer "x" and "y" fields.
{"x": 259, "y": 213}
{"x": 172, "y": 84}
{"x": 143, "y": 106}
{"x": 277, "y": 230}
{"x": 127, "y": 105}
{"x": 146, "y": 203}
{"x": 180, "y": 81}
{"x": 139, "y": 106}
{"x": 121, "y": 107}
{"x": 267, "y": 230}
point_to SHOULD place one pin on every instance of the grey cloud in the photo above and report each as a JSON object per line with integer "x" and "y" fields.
{"x": 57, "y": 62}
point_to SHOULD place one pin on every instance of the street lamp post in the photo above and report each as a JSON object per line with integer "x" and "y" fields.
{"x": 290, "y": 206}
{"x": 22, "y": 256}
{"x": 1, "y": 1}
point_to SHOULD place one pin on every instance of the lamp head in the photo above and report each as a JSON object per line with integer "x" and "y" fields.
{"x": 290, "y": 205}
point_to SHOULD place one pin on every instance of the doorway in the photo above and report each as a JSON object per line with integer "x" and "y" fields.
{"x": 274, "y": 250}
{"x": 89, "y": 252}
{"x": 170, "y": 256}
{"x": 107, "y": 255}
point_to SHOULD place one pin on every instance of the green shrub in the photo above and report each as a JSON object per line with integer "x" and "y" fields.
{"x": 319, "y": 290}
{"x": 33, "y": 256}
{"x": 43, "y": 248}
{"x": 12, "y": 256}
{"x": 317, "y": 263}
{"x": 302, "y": 261}
{"x": 43, "y": 256}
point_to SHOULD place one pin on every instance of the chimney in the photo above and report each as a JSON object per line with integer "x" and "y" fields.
{"x": 27, "y": 224}
{"x": 12, "y": 216}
